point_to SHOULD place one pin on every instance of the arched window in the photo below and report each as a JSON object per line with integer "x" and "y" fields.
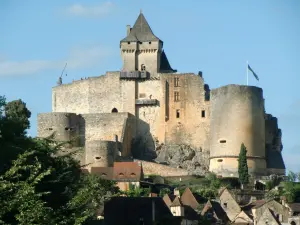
{"x": 114, "y": 110}
{"x": 293, "y": 223}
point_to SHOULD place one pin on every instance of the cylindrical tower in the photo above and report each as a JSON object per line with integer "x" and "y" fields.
{"x": 237, "y": 116}
{"x": 100, "y": 153}
{"x": 63, "y": 126}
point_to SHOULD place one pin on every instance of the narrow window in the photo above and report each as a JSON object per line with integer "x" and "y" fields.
{"x": 128, "y": 42}
{"x": 203, "y": 113}
{"x": 222, "y": 141}
{"x": 176, "y": 81}
{"x": 177, "y": 113}
{"x": 149, "y": 42}
{"x": 225, "y": 205}
{"x": 176, "y": 96}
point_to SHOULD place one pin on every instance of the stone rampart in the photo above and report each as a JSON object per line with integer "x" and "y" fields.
{"x": 62, "y": 126}
{"x": 237, "y": 116}
{"x": 151, "y": 168}
{"x": 100, "y": 153}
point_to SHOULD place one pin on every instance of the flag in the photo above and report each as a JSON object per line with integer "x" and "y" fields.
{"x": 254, "y": 74}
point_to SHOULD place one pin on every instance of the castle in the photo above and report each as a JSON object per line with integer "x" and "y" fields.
{"x": 148, "y": 102}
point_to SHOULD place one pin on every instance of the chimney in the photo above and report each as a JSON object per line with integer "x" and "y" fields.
{"x": 176, "y": 192}
{"x": 128, "y": 29}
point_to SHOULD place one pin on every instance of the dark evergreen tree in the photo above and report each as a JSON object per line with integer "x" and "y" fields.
{"x": 18, "y": 116}
{"x": 243, "y": 166}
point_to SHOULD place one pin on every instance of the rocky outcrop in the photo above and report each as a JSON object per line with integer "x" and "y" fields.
{"x": 196, "y": 162}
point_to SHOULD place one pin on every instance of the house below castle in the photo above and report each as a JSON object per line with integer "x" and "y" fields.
{"x": 149, "y": 104}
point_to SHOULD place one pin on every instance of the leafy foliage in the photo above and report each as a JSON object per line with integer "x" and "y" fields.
{"x": 137, "y": 192}
{"x": 291, "y": 191}
{"x": 37, "y": 186}
{"x": 243, "y": 166}
{"x": 292, "y": 177}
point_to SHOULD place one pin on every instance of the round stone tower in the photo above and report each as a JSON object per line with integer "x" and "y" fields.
{"x": 63, "y": 126}
{"x": 100, "y": 153}
{"x": 237, "y": 116}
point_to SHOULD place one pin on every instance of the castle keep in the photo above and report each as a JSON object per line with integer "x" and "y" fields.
{"x": 148, "y": 104}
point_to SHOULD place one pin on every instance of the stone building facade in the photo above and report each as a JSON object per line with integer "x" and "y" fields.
{"x": 148, "y": 103}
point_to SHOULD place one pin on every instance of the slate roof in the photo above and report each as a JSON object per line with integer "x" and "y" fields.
{"x": 164, "y": 64}
{"x": 140, "y": 31}
{"x": 295, "y": 207}
{"x": 130, "y": 210}
{"x": 255, "y": 204}
{"x": 216, "y": 207}
{"x": 274, "y": 160}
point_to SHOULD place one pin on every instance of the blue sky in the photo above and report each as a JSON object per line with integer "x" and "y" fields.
{"x": 216, "y": 37}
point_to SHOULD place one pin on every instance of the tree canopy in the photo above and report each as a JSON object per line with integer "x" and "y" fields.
{"x": 38, "y": 186}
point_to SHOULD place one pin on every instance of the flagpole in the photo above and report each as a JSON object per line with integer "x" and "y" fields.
{"x": 247, "y": 72}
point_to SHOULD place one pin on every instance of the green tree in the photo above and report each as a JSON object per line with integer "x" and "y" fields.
{"x": 298, "y": 176}
{"x": 292, "y": 177}
{"x": 18, "y": 115}
{"x": 243, "y": 166}
{"x": 38, "y": 186}
{"x": 164, "y": 191}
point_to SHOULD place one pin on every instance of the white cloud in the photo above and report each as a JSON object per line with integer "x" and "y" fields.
{"x": 90, "y": 11}
{"x": 78, "y": 58}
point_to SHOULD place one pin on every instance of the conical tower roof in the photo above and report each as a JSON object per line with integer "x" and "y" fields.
{"x": 141, "y": 31}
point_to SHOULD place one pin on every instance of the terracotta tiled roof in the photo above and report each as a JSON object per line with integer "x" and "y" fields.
{"x": 104, "y": 172}
{"x": 176, "y": 202}
{"x": 122, "y": 171}
{"x": 127, "y": 171}
{"x": 189, "y": 199}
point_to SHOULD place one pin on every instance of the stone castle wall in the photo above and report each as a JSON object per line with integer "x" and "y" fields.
{"x": 105, "y": 93}
{"x": 237, "y": 116}
{"x": 191, "y": 126}
{"x": 150, "y": 168}
{"x": 100, "y": 153}
{"x": 182, "y": 116}
{"x": 63, "y": 126}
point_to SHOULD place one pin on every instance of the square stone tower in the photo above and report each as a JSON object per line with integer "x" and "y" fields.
{"x": 142, "y": 51}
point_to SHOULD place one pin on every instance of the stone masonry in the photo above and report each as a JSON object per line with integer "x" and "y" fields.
{"x": 149, "y": 111}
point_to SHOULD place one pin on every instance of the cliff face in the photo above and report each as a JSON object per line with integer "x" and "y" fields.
{"x": 196, "y": 162}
